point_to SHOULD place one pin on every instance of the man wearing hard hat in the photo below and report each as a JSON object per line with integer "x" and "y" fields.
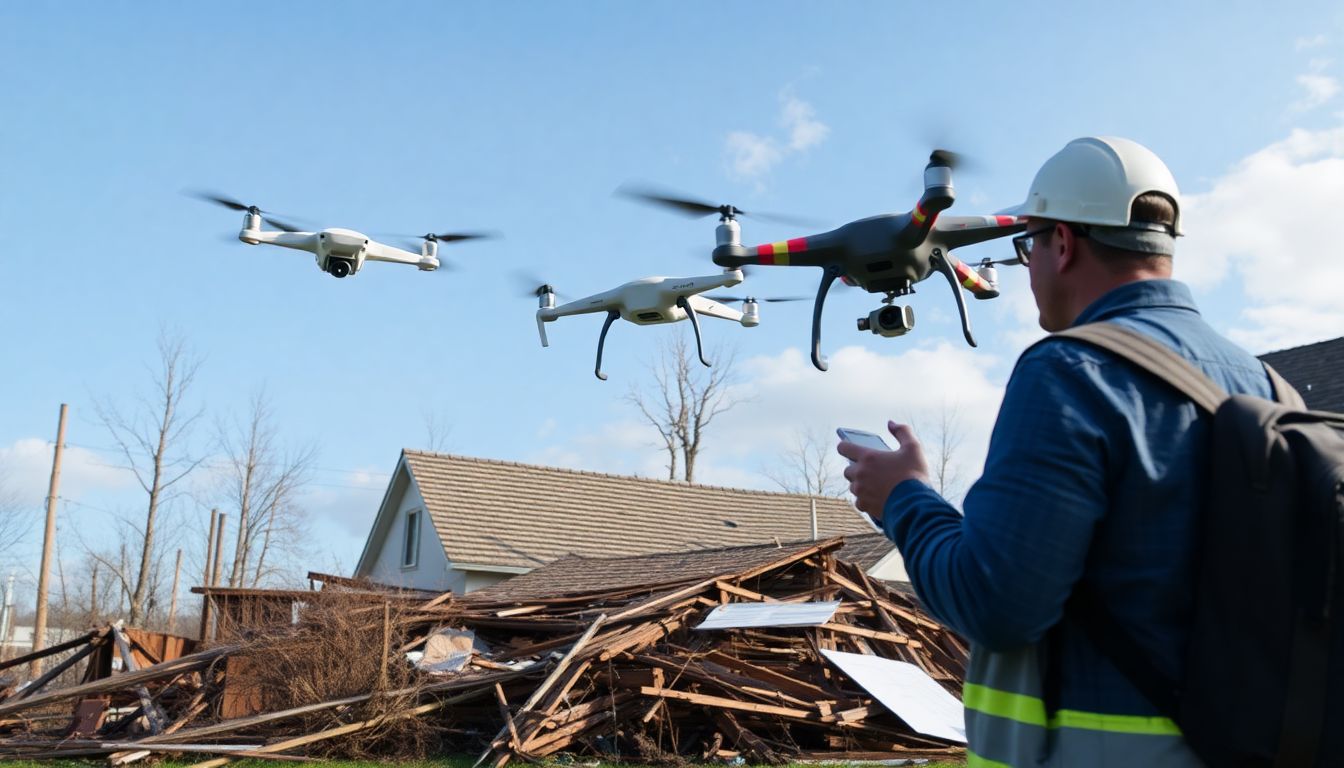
{"x": 1092, "y": 480}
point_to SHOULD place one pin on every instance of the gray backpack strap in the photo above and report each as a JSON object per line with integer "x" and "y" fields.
{"x": 1154, "y": 357}
{"x": 1284, "y": 393}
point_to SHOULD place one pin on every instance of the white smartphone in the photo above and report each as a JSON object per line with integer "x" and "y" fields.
{"x": 863, "y": 437}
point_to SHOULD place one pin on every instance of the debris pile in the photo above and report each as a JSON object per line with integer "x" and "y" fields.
{"x": 529, "y": 668}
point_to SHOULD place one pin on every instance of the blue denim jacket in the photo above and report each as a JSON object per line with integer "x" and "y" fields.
{"x": 1094, "y": 472}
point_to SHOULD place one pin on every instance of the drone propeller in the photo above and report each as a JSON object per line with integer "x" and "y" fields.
{"x": 769, "y": 300}
{"x": 454, "y": 237}
{"x": 697, "y": 208}
{"x": 232, "y": 204}
{"x": 412, "y": 244}
{"x": 528, "y": 284}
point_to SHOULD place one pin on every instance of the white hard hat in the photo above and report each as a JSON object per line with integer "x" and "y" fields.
{"x": 1095, "y": 180}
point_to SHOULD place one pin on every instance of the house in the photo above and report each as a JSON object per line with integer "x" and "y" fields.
{"x": 1316, "y": 371}
{"x": 460, "y": 523}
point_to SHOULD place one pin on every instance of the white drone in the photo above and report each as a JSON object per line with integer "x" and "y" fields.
{"x": 652, "y": 301}
{"x": 339, "y": 252}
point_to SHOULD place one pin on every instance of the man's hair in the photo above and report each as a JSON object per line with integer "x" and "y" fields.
{"x": 1152, "y": 207}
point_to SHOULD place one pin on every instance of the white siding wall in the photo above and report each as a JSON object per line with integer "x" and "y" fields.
{"x": 431, "y": 569}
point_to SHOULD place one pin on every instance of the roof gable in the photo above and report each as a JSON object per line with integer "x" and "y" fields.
{"x": 508, "y": 514}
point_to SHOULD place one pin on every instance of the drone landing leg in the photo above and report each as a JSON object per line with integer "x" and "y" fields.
{"x": 945, "y": 266}
{"x": 602, "y": 339}
{"x": 695, "y": 323}
{"x": 828, "y": 276}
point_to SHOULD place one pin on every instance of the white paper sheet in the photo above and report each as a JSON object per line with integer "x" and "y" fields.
{"x": 907, "y": 691}
{"x": 739, "y": 615}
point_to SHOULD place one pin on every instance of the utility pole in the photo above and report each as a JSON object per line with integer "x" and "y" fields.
{"x": 93, "y": 595}
{"x": 48, "y": 542}
{"x": 172, "y": 604}
{"x": 205, "y": 577}
{"x": 6, "y": 616}
{"x": 212, "y": 563}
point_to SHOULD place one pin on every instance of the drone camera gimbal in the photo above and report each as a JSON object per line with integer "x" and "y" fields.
{"x": 890, "y": 321}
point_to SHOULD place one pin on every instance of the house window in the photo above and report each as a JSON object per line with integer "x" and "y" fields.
{"x": 410, "y": 551}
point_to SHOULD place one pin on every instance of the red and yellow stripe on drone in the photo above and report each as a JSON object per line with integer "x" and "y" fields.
{"x": 777, "y": 254}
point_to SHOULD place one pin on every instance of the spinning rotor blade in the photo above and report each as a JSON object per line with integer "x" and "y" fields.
{"x": 235, "y": 205}
{"x": 281, "y": 225}
{"x": 446, "y": 237}
{"x": 454, "y": 237}
{"x": 529, "y": 285}
{"x": 227, "y": 202}
{"x": 767, "y": 300}
{"x": 697, "y": 208}
{"x": 953, "y": 160}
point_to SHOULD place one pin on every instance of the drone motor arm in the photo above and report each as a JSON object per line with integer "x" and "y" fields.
{"x": 612, "y": 314}
{"x": 828, "y": 276}
{"x": 695, "y": 324}
{"x": 942, "y": 264}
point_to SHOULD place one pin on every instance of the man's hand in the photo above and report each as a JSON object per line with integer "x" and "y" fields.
{"x": 873, "y": 473}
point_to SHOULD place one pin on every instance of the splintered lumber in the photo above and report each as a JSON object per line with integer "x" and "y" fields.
{"x": 726, "y": 703}
{"x": 45, "y": 652}
{"x": 614, "y": 668}
{"x": 124, "y": 681}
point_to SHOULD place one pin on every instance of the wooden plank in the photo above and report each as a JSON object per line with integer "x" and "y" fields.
{"x": 168, "y": 669}
{"x": 153, "y": 714}
{"x": 331, "y": 733}
{"x": 45, "y": 652}
{"x": 890, "y": 637}
{"x": 55, "y": 671}
{"x": 545, "y": 684}
{"x": 733, "y": 589}
{"x": 726, "y": 703}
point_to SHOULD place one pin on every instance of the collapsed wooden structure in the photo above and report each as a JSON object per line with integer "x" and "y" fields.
{"x": 616, "y": 669}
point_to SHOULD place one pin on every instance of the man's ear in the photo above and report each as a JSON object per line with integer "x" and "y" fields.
{"x": 1064, "y": 247}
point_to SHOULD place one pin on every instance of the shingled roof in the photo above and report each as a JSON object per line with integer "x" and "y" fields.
{"x": 572, "y": 575}
{"x": 1315, "y": 370}
{"x": 508, "y": 514}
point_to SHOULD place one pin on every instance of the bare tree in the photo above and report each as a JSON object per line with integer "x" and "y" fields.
{"x": 151, "y": 438}
{"x": 110, "y": 568}
{"x": 689, "y": 396}
{"x": 14, "y": 524}
{"x": 809, "y": 465}
{"x": 941, "y": 444}
{"x": 437, "y": 430}
{"x": 262, "y": 482}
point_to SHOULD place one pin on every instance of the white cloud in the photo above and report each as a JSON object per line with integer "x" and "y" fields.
{"x": 84, "y": 473}
{"x": 1315, "y": 41}
{"x": 782, "y": 395}
{"x": 1317, "y": 90}
{"x": 751, "y": 155}
{"x": 800, "y": 119}
{"x": 1270, "y": 223}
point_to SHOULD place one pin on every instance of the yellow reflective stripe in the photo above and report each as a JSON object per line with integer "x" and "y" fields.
{"x": 1030, "y": 710}
{"x": 1013, "y": 706}
{"x": 975, "y": 761}
{"x": 1093, "y": 721}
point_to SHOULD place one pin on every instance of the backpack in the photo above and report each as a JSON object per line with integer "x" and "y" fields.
{"x": 1264, "y": 666}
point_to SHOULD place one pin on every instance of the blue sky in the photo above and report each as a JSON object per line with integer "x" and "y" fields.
{"x": 523, "y": 118}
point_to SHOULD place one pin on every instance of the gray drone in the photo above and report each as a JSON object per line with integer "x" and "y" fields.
{"x": 885, "y": 254}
